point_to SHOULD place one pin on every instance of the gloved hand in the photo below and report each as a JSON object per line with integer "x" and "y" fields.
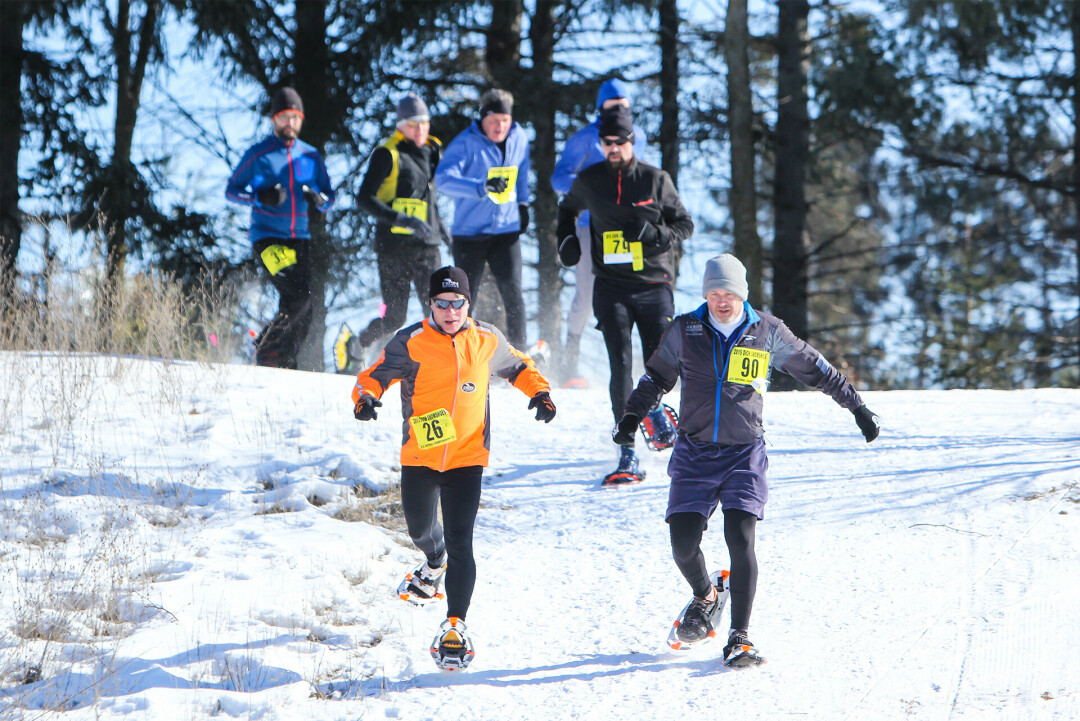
{"x": 545, "y": 409}
{"x": 496, "y": 184}
{"x": 271, "y": 196}
{"x": 420, "y": 229}
{"x": 869, "y": 423}
{"x": 624, "y": 432}
{"x": 649, "y": 234}
{"x": 570, "y": 251}
{"x": 314, "y": 197}
{"x": 523, "y": 216}
{"x": 365, "y": 408}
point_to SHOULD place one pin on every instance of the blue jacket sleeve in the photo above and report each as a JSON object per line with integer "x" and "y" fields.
{"x": 325, "y": 187}
{"x": 239, "y": 189}
{"x": 450, "y": 176}
{"x": 523, "y": 179}
{"x": 569, "y": 165}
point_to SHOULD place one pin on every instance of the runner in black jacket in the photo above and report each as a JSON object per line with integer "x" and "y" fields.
{"x": 724, "y": 353}
{"x": 635, "y": 220}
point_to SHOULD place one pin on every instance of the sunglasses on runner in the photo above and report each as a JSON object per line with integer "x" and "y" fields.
{"x": 614, "y": 141}
{"x": 456, "y": 304}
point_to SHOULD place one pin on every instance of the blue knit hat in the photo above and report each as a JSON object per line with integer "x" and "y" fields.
{"x": 613, "y": 88}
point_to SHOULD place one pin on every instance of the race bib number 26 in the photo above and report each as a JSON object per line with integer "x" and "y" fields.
{"x": 433, "y": 429}
{"x": 750, "y": 367}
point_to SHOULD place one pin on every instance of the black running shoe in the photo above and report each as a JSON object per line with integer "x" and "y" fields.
{"x": 697, "y": 623}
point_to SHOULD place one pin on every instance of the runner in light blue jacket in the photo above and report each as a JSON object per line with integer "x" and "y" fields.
{"x": 485, "y": 169}
{"x": 581, "y": 150}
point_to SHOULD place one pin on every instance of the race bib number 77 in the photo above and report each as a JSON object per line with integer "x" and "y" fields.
{"x": 748, "y": 366}
{"x": 433, "y": 429}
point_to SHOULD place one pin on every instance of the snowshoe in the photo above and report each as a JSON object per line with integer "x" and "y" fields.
{"x": 348, "y": 354}
{"x": 660, "y": 427}
{"x": 627, "y": 472}
{"x": 540, "y": 352}
{"x": 421, "y": 586}
{"x": 452, "y": 648}
{"x": 740, "y": 653}
{"x": 697, "y": 622}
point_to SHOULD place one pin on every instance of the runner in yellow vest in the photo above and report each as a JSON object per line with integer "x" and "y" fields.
{"x": 399, "y": 192}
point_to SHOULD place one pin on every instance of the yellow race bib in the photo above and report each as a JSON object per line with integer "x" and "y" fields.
{"x": 409, "y": 206}
{"x": 277, "y": 258}
{"x": 510, "y": 172}
{"x": 617, "y": 249}
{"x": 748, "y": 367}
{"x": 433, "y": 429}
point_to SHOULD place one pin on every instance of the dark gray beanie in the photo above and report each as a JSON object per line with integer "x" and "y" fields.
{"x": 411, "y": 107}
{"x": 725, "y": 272}
{"x": 286, "y": 99}
{"x": 449, "y": 279}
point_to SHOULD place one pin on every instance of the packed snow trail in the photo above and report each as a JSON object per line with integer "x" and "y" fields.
{"x": 927, "y": 575}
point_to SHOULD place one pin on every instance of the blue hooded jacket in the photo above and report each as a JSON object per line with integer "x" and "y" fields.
{"x": 582, "y": 149}
{"x": 293, "y": 165}
{"x": 463, "y": 171}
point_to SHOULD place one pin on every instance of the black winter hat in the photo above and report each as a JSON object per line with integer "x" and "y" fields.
{"x": 286, "y": 99}
{"x": 616, "y": 122}
{"x": 450, "y": 279}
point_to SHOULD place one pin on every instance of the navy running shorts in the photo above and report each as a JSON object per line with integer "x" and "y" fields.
{"x": 704, "y": 475}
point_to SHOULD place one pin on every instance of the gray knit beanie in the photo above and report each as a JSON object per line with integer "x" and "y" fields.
{"x": 725, "y": 272}
{"x": 411, "y": 107}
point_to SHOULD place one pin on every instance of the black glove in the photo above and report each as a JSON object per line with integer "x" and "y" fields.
{"x": 545, "y": 409}
{"x": 649, "y": 234}
{"x": 314, "y": 198}
{"x": 570, "y": 251}
{"x": 623, "y": 434}
{"x": 496, "y": 184}
{"x": 271, "y": 196}
{"x": 420, "y": 229}
{"x": 869, "y": 423}
{"x": 365, "y": 408}
{"x": 523, "y": 216}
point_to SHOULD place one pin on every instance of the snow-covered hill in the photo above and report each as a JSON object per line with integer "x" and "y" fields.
{"x": 180, "y": 541}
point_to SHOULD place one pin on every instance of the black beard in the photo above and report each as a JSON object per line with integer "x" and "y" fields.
{"x": 616, "y": 162}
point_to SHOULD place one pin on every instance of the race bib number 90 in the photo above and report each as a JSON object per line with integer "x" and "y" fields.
{"x": 617, "y": 249}
{"x": 409, "y": 206}
{"x": 748, "y": 366}
{"x": 433, "y": 429}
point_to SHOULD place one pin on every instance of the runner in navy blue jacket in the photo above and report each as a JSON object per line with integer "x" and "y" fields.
{"x": 724, "y": 353}
{"x": 280, "y": 177}
{"x": 485, "y": 169}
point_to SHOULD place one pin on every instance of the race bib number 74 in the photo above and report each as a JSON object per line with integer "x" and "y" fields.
{"x": 748, "y": 366}
{"x": 433, "y": 429}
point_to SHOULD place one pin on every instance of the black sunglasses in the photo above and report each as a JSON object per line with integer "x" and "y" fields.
{"x": 615, "y": 141}
{"x": 456, "y": 304}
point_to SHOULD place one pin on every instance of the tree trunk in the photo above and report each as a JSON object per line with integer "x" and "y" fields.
{"x": 743, "y": 198}
{"x": 1074, "y": 23}
{"x": 12, "y": 18}
{"x": 669, "y": 99}
{"x": 503, "y": 48}
{"x": 311, "y": 64}
{"x": 130, "y": 72}
{"x": 790, "y": 273}
{"x": 542, "y": 39}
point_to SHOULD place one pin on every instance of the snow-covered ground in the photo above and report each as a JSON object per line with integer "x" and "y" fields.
{"x": 180, "y": 541}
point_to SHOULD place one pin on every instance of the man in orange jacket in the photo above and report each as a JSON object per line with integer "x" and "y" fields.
{"x": 444, "y": 364}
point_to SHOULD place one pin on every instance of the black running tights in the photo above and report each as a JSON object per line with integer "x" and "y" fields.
{"x": 686, "y": 530}
{"x": 459, "y": 489}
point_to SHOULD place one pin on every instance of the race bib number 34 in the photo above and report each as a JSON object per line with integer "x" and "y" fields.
{"x": 433, "y": 429}
{"x": 748, "y": 366}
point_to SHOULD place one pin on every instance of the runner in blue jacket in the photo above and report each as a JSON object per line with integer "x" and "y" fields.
{"x": 485, "y": 169}
{"x": 725, "y": 353}
{"x": 581, "y": 150}
{"x": 279, "y": 178}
